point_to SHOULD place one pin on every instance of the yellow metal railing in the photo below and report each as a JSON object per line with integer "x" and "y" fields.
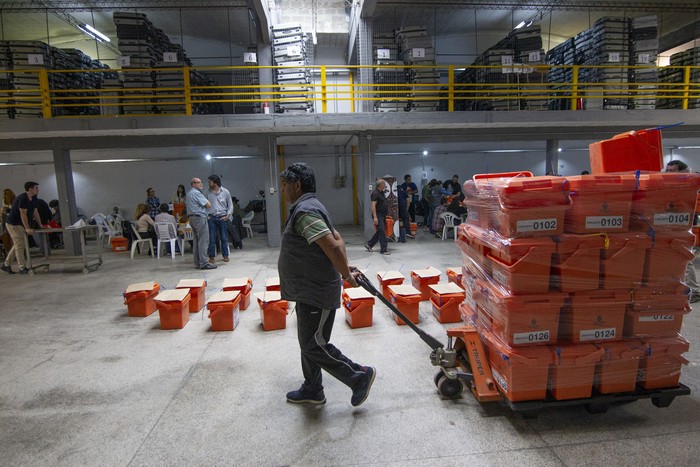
{"x": 37, "y": 93}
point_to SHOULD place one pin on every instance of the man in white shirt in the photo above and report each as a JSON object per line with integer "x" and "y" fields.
{"x": 219, "y": 213}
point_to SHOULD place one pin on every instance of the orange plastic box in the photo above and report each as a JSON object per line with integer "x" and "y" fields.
{"x": 243, "y": 285}
{"x": 422, "y": 278}
{"x": 178, "y": 208}
{"x": 454, "y": 275}
{"x": 173, "y": 308}
{"x": 594, "y": 316}
{"x": 617, "y": 372}
{"x": 445, "y": 299}
{"x": 668, "y": 257}
{"x": 634, "y": 150}
{"x": 481, "y": 198}
{"x": 389, "y": 226}
{"x": 531, "y": 206}
{"x": 406, "y": 298}
{"x": 414, "y": 228}
{"x": 273, "y": 310}
{"x": 571, "y": 375}
{"x": 138, "y": 298}
{"x": 272, "y": 284}
{"x": 467, "y": 311}
{"x": 358, "y": 304}
{"x": 197, "y": 291}
{"x": 120, "y": 244}
{"x": 661, "y": 367}
{"x": 521, "y": 374}
{"x": 664, "y": 201}
{"x": 223, "y": 310}
{"x": 472, "y": 242}
{"x": 520, "y": 319}
{"x": 523, "y": 266}
{"x": 622, "y": 262}
{"x": 576, "y": 265}
{"x": 387, "y": 278}
{"x": 657, "y": 311}
{"x": 600, "y": 203}
{"x": 696, "y": 232}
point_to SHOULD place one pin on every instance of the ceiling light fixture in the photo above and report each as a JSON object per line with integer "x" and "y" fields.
{"x": 425, "y": 152}
{"x": 208, "y": 157}
{"x": 92, "y": 32}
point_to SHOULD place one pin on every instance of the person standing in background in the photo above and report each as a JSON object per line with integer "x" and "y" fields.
{"x": 18, "y": 226}
{"x": 412, "y": 192}
{"x": 219, "y": 213}
{"x": 153, "y": 202}
{"x": 8, "y": 197}
{"x": 197, "y": 205}
{"x": 380, "y": 209}
{"x": 180, "y": 195}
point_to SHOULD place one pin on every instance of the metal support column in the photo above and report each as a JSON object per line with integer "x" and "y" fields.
{"x": 367, "y": 183}
{"x": 551, "y": 165}
{"x": 272, "y": 191}
{"x": 66, "y": 198}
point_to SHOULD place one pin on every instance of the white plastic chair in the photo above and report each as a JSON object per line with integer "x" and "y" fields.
{"x": 167, "y": 234}
{"x": 246, "y": 223}
{"x": 106, "y": 230}
{"x": 187, "y": 236}
{"x": 138, "y": 240}
{"x": 449, "y": 220}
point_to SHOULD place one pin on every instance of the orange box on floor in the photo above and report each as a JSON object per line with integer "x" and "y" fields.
{"x": 243, "y": 285}
{"x": 594, "y": 316}
{"x": 623, "y": 259}
{"x": 664, "y": 201}
{"x": 120, "y": 244}
{"x": 173, "y": 308}
{"x": 422, "y": 278}
{"x": 668, "y": 256}
{"x": 531, "y": 206}
{"x": 521, "y": 374}
{"x": 657, "y": 311}
{"x": 273, "y": 310}
{"x": 617, "y": 371}
{"x": 634, "y": 150}
{"x": 576, "y": 265}
{"x": 445, "y": 300}
{"x": 358, "y": 304}
{"x": 138, "y": 298}
{"x": 520, "y": 319}
{"x": 600, "y": 203}
{"x": 660, "y": 368}
{"x": 272, "y": 284}
{"x": 223, "y": 310}
{"x": 389, "y": 226}
{"x": 454, "y": 275}
{"x": 387, "y": 278}
{"x": 571, "y": 375}
{"x": 414, "y": 228}
{"x": 406, "y": 298}
{"x": 197, "y": 289}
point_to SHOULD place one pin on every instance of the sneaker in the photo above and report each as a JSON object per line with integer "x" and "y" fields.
{"x": 7, "y": 269}
{"x": 208, "y": 266}
{"x": 212, "y": 260}
{"x": 225, "y": 259}
{"x": 304, "y": 396}
{"x": 24, "y": 271}
{"x": 368, "y": 248}
{"x": 386, "y": 253}
{"x": 361, "y": 391}
{"x": 410, "y": 236}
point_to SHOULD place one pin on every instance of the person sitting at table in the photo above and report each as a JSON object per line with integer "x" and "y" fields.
{"x": 145, "y": 225}
{"x": 166, "y": 217}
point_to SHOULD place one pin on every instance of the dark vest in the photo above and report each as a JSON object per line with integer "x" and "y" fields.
{"x": 306, "y": 273}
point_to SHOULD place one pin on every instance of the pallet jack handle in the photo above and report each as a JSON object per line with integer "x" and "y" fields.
{"x": 432, "y": 342}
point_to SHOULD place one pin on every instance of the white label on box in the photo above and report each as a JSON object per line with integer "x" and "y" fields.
{"x": 506, "y": 60}
{"x": 614, "y": 57}
{"x": 35, "y": 59}
{"x": 669, "y": 317}
{"x": 531, "y": 337}
{"x": 500, "y": 276}
{"x": 534, "y": 56}
{"x": 293, "y": 50}
{"x": 250, "y": 57}
{"x": 605, "y": 222}
{"x": 518, "y": 68}
{"x": 597, "y": 334}
{"x": 499, "y": 380}
{"x": 643, "y": 58}
{"x": 418, "y": 52}
{"x": 236, "y": 317}
{"x": 536, "y": 225}
{"x": 125, "y": 60}
{"x": 383, "y": 54}
{"x": 672, "y": 218}
{"x": 170, "y": 57}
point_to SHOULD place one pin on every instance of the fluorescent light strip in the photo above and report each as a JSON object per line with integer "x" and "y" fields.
{"x": 92, "y": 32}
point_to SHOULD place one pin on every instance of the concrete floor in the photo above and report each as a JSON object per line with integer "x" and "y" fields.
{"x": 84, "y": 384}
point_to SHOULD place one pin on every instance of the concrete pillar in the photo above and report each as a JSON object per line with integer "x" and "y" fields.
{"x": 551, "y": 165}
{"x": 265, "y": 74}
{"x": 366, "y": 183}
{"x": 66, "y": 198}
{"x": 267, "y": 147}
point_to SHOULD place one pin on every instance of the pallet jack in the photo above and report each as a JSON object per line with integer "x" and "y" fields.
{"x": 464, "y": 362}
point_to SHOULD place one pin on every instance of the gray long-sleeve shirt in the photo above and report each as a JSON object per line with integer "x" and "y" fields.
{"x": 221, "y": 203}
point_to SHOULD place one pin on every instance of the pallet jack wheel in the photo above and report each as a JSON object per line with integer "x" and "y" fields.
{"x": 437, "y": 377}
{"x": 450, "y": 388}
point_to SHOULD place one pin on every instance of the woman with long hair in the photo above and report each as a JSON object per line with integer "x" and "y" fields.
{"x": 179, "y": 196}
{"x": 145, "y": 225}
